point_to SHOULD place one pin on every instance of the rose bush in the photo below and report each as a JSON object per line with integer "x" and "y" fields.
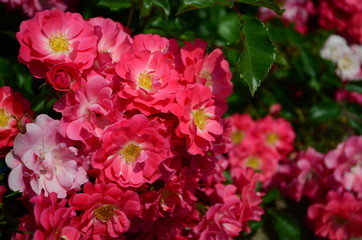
{"x": 181, "y": 120}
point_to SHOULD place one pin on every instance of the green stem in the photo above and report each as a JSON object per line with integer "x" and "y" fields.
{"x": 130, "y": 16}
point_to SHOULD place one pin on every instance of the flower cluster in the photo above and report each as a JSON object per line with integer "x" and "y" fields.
{"x": 260, "y": 144}
{"x": 347, "y": 58}
{"x": 332, "y": 183}
{"x": 139, "y": 149}
{"x": 348, "y": 61}
{"x": 343, "y": 16}
{"x": 297, "y": 12}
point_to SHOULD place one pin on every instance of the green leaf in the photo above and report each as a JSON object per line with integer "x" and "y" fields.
{"x": 330, "y": 80}
{"x": 44, "y": 101}
{"x": 356, "y": 124}
{"x": 285, "y": 225}
{"x": 259, "y": 53}
{"x": 228, "y": 177}
{"x": 147, "y": 6}
{"x": 4, "y": 71}
{"x": 272, "y": 195}
{"x": 115, "y": 5}
{"x": 325, "y": 111}
{"x": 228, "y": 28}
{"x": 354, "y": 87}
{"x": 280, "y": 59}
{"x": 25, "y": 81}
{"x": 309, "y": 64}
{"x": 188, "y": 5}
{"x": 9, "y": 34}
{"x": 271, "y": 4}
{"x": 354, "y": 108}
{"x": 12, "y": 194}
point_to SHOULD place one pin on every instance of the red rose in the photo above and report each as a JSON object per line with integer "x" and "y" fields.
{"x": 15, "y": 112}
{"x": 64, "y": 77}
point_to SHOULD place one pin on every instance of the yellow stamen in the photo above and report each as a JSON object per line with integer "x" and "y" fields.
{"x": 207, "y": 75}
{"x": 59, "y": 43}
{"x": 253, "y": 162}
{"x": 345, "y": 63}
{"x": 130, "y": 153}
{"x": 145, "y": 80}
{"x": 104, "y": 213}
{"x": 200, "y": 118}
{"x": 237, "y": 136}
{"x": 4, "y": 118}
{"x": 272, "y": 138}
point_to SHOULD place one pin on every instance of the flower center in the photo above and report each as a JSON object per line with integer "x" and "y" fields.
{"x": 237, "y": 136}
{"x": 253, "y": 162}
{"x": 4, "y": 118}
{"x": 200, "y": 118}
{"x": 271, "y": 138}
{"x": 340, "y": 221}
{"x": 104, "y": 213}
{"x": 145, "y": 80}
{"x": 345, "y": 63}
{"x": 131, "y": 152}
{"x": 207, "y": 75}
{"x": 59, "y": 43}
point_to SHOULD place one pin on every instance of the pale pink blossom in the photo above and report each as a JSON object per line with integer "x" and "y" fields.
{"x": 349, "y": 66}
{"x": 333, "y": 48}
{"x": 347, "y": 58}
{"x": 43, "y": 161}
{"x": 346, "y": 161}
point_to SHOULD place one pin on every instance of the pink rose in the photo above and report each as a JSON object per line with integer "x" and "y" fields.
{"x": 275, "y": 109}
{"x": 43, "y": 161}
{"x": 338, "y": 218}
{"x": 54, "y": 37}
{"x": 64, "y": 77}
